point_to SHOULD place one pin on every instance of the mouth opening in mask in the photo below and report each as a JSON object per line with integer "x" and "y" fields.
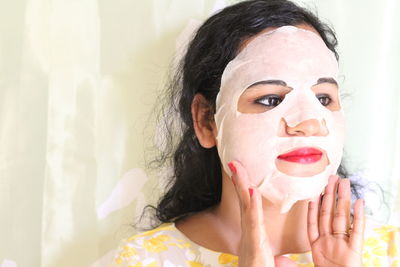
{"x": 302, "y": 161}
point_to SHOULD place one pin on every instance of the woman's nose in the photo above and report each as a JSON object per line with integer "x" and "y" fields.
{"x": 312, "y": 127}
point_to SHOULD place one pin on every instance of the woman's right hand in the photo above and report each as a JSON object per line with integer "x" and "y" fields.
{"x": 254, "y": 250}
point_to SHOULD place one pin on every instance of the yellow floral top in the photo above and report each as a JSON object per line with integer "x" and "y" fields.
{"x": 166, "y": 246}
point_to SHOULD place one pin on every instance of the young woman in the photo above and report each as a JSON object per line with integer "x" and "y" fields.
{"x": 254, "y": 179}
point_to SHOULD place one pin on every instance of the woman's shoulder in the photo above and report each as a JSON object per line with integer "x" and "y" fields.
{"x": 167, "y": 246}
{"x": 162, "y": 246}
{"x": 381, "y": 244}
{"x": 146, "y": 248}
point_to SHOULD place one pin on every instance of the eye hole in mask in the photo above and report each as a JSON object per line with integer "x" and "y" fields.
{"x": 263, "y": 96}
{"x": 327, "y": 92}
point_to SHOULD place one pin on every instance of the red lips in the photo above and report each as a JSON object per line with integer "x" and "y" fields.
{"x": 304, "y": 155}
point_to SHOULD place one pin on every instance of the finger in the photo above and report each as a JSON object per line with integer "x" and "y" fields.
{"x": 357, "y": 233}
{"x": 252, "y": 204}
{"x": 239, "y": 178}
{"x": 257, "y": 233}
{"x": 252, "y": 216}
{"x": 335, "y": 194}
{"x": 312, "y": 220}
{"x": 328, "y": 201}
{"x": 341, "y": 219}
{"x": 256, "y": 206}
{"x": 255, "y": 222}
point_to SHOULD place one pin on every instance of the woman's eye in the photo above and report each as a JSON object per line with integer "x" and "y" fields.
{"x": 324, "y": 99}
{"x": 270, "y": 100}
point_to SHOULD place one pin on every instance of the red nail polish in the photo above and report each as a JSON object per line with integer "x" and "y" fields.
{"x": 232, "y": 167}
{"x": 251, "y": 192}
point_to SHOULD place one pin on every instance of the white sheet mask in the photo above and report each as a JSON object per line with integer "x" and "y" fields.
{"x": 299, "y": 58}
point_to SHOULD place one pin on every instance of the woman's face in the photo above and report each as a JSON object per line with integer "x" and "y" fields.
{"x": 263, "y": 97}
{"x": 279, "y": 114}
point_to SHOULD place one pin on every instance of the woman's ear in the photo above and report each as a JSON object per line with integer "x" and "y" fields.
{"x": 204, "y": 127}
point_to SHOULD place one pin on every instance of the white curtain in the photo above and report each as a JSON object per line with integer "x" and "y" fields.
{"x": 78, "y": 81}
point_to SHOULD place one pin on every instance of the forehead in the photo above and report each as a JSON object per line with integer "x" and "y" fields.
{"x": 270, "y": 29}
{"x": 294, "y": 55}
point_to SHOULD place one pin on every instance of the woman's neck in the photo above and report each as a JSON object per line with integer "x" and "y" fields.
{"x": 287, "y": 232}
{"x": 219, "y": 228}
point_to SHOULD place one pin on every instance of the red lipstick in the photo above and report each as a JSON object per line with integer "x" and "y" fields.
{"x": 304, "y": 155}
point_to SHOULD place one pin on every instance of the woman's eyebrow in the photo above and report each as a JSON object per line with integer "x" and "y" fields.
{"x": 327, "y": 80}
{"x": 275, "y": 82}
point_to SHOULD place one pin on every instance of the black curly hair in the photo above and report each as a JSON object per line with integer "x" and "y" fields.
{"x": 196, "y": 181}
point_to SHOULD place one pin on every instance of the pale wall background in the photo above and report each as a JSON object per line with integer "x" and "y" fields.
{"x": 78, "y": 81}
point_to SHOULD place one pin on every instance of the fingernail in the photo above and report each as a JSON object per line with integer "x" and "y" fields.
{"x": 232, "y": 167}
{"x": 251, "y": 192}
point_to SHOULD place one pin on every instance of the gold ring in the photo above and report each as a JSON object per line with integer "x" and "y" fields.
{"x": 341, "y": 233}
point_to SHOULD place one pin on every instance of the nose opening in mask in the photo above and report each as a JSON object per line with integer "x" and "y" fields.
{"x": 304, "y": 128}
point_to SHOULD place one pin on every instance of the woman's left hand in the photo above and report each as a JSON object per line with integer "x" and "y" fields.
{"x": 329, "y": 224}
